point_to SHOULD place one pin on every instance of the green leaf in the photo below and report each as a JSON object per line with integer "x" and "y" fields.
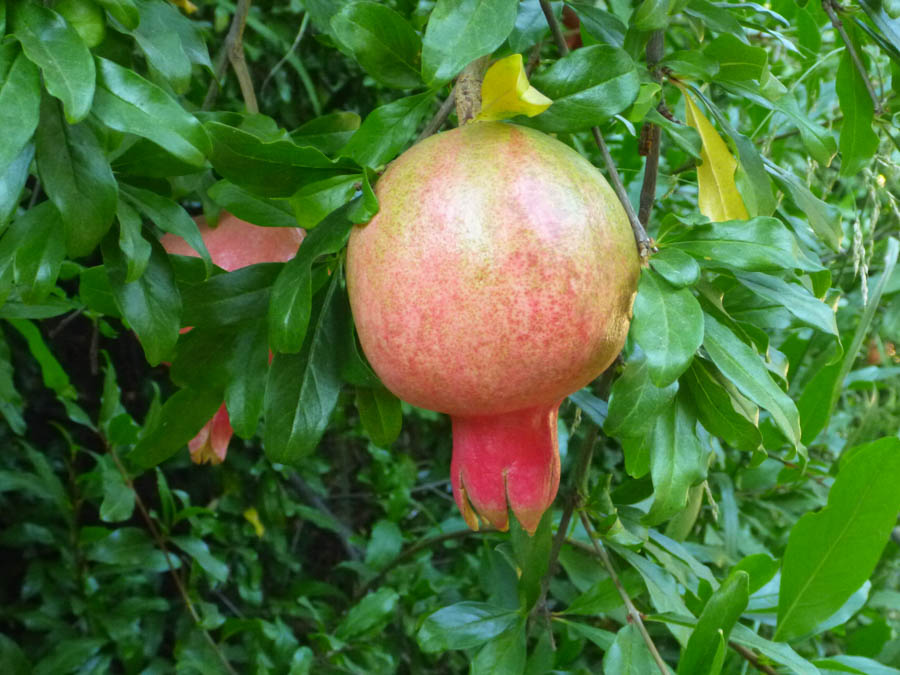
{"x": 267, "y": 167}
{"x": 380, "y": 414}
{"x": 713, "y": 627}
{"x": 314, "y": 201}
{"x": 57, "y": 49}
{"x": 68, "y": 656}
{"x": 39, "y": 251}
{"x": 135, "y": 248}
{"x": 171, "y": 42}
{"x": 628, "y": 654}
{"x": 12, "y": 182}
{"x": 123, "y": 11}
{"x": 387, "y": 130}
{"x": 683, "y": 136}
{"x": 182, "y": 416}
{"x": 718, "y": 410}
{"x": 831, "y": 552}
{"x": 650, "y": 15}
{"x": 760, "y": 566}
{"x": 668, "y": 326}
{"x": 736, "y": 59}
{"x": 52, "y": 373}
{"x": 77, "y": 177}
{"x": 118, "y": 497}
{"x": 199, "y": 551}
{"x": 532, "y": 555}
{"x": 587, "y": 87}
{"x": 603, "y": 25}
{"x": 126, "y": 547}
{"x": 463, "y": 626}
{"x": 291, "y": 301}
{"x": 676, "y": 267}
{"x": 794, "y": 298}
{"x": 252, "y": 208}
{"x": 303, "y": 388}
{"x": 127, "y": 102}
{"x": 843, "y": 663}
{"x": 777, "y": 651}
{"x": 635, "y": 402}
{"x": 151, "y": 304}
{"x": 858, "y": 140}
{"x": 677, "y": 461}
{"x": 740, "y": 363}
{"x": 11, "y": 402}
{"x": 757, "y": 245}
{"x": 506, "y": 654}
{"x": 247, "y": 368}
{"x": 460, "y": 31}
{"x": 371, "y": 613}
{"x": 11, "y": 655}
{"x": 824, "y": 218}
{"x": 230, "y": 298}
{"x": 384, "y": 545}
{"x": 382, "y": 41}
{"x": 329, "y": 133}
{"x": 531, "y": 25}
{"x": 20, "y": 101}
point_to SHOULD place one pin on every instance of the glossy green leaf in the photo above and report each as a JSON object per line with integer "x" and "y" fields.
{"x": 718, "y": 410}
{"x": 793, "y": 297}
{"x": 127, "y": 102}
{"x": 530, "y": 26}
{"x": 460, "y": 31}
{"x": 124, "y": 11}
{"x": 39, "y": 252}
{"x": 387, "y": 130}
{"x": 314, "y": 201}
{"x": 371, "y": 613}
{"x": 713, "y": 627}
{"x": 532, "y": 557}
{"x": 53, "y": 375}
{"x": 677, "y": 462}
{"x": 171, "y": 42}
{"x": 135, "y": 248}
{"x": 824, "y": 218}
{"x": 12, "y": 182}
{"x": 831, "y": 552}
{"x": 628, "y": 654}
{"x": 182, "y": 416}
{"x": 760, "y": 567}
{"x": 199, "y": 551}
{"x": 247, "y": 367}
{"x": 380, "y": 414}
{"x": 230, "y": 298}
{"x": 382, "y": 41}
{"x": 736, "y": 60}
{"x": 302, "y": 388}
{"x": 587, "y": 87}
{"x": 118, "y": 497}
{"x": 858, "y": 140}
{"x": 603, "y": 25}
{"x": 635, "y": 402}
{"x": 151, "y": 304}
{"x": 755, "y": 245}
{"x": 742, "y": 365}
{"x": 668, "y": 326}
{"x": 650, "y": 15}
{"x": 20, "y": 100}
{"x": 329, "y": 133}
{"x": 464, "y": 625}
{"x": 57, "y": 49}
{"x": 505, "y": 654}
{"x": 252, "y": 208}
{"x": 11, "y": 402}
{"x": 68, "y": 655}
{"x": 291, "y": 302}
{"x": 77, "y": 177}
{"x": 676, "y": 267}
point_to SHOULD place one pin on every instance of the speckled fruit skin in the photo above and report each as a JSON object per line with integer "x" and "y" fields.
{"x": 232, "y": 244}
{"x": 497, "y": 277}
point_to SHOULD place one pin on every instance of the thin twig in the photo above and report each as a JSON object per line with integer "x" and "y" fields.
{"x": 641, "y": 239}
{"x": 830, "y": 6}
{"x": 343, "y": 532}
{"x": 408, "y": 553}
{"x": 752, "y": 659}
{"x": 440, "y": 117}
{"x": 468, "y": 89}
{"x": 233, "y": 50}
{"x": 284, "y": 59}
{"x": 534, "y": 58}
{"x": 652, "y": 131}
{"x": 161, "y": 544}
{"x": 633, "y": 614}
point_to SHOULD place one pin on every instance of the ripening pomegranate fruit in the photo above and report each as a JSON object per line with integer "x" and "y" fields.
{"x": 497, "y": 277}
{"x": 232, "y": 244}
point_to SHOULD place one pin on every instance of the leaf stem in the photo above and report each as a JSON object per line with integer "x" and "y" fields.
{"x": 440, "y": 116}
{"x": 752, "y": 659}
{"x": 644, "y": 245}
{"x": 830, "y": 6}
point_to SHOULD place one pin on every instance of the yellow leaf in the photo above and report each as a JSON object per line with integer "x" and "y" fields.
{"x": 186, "y": 5}
{"x": 718, "y": 195}
{"x": 252, "y": 517}
{"x": 505, "y": 92}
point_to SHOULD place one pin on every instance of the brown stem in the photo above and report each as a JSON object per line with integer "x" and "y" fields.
{"x": 830, "y": 6}
{"x": 752, "y": 658}
{"x": 633, "y": 614}
{"x": 233, "y": 50}
{"x": 640, "y": 234}
{"x": 652, "y": 131}
{"x": 468, "y": 89}
{"x": 440, "y": 116}
{"x": 161, "y": 544}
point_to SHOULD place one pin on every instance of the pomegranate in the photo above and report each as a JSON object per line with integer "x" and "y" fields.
{"x": 232, "y": 244}
{"x": 497, "y": 278}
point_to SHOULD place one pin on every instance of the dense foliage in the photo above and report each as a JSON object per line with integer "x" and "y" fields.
{"x": 736, "y": 469}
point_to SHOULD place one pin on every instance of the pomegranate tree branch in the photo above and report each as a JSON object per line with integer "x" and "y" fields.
{"x": 831, "y": 8}
{"x": 752, "y": 659}
{"x": 161, "y": 544}
{"x": 468, "y": 89}
{"x": 233, "y": 51}
{"x": 440, "y": 116}
{"x": 650, "y": 132}
{"x": 640, "y": 234}
{"x": 633, "y": 614}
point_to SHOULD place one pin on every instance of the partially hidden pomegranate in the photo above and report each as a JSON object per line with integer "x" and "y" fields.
{"x": 233, "y": 243}
{"x": 497, "y": 277}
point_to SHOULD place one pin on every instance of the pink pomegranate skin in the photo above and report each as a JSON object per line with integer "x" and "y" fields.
{"x": 232, "y": 244}
{"x": 497, "y": 278}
